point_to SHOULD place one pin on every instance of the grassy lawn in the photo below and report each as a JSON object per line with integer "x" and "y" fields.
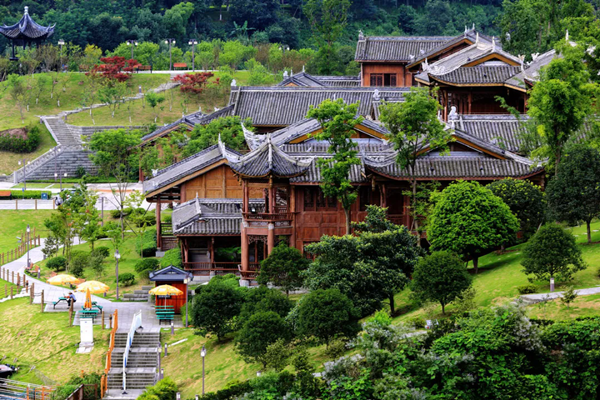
{"x": 15, "y": 222}
{"x": 47, "y": 185}
{"x": 583, "y": 306}
{"x": 168, "y": 111}
{"x": 129, "y": 257}
{"x": 501, "y": 274}
{"x": 5, "y": 289}
{"x": 45, "y": 340}
{"x": 70, "y": 99}
{"x": 10, "y": 161}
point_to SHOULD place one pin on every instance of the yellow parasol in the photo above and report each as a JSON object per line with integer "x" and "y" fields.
{"x": 165, "y": 290}
{"x": 88, "y": 300}
{"x": 62, "y": 279}
{"x": 93, "y": 287}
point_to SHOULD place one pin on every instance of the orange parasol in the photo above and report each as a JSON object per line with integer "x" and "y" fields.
{"x": 88, "y": 299}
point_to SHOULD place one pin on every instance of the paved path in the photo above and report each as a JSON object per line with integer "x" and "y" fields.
{"x": 539, "y": 297}
{"x": 52, "y": 293}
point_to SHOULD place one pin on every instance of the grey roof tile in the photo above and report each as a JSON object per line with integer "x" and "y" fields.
{"x": 396, "y": 48}
{"x": 496, "y": 74}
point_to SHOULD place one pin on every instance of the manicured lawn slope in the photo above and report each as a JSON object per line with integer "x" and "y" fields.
{"x": 10, "y": 161}
{"x": 46, "y": 341}
{"x": 501, "y": 274}
{"x": 13, "y": 223}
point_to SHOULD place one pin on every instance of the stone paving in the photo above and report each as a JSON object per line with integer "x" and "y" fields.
{"x": 52, "y": 294}
{"x": 539, "y": 297}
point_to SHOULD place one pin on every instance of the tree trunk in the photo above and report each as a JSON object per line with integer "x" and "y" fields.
{"x": 443, "y": 308}
{"x": 348, "y": 229}
{"x": 476, "y": 264}
{"x": 392, "y": 305}
{"x": 589, "y": 232}
{"x": 122, "y": 227}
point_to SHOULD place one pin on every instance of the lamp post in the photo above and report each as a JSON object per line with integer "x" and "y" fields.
{"x": 203, "y": 354}
{"x": 185, "y": 282}
{"x": 132, "y": 43}
{"x": 61, "y": 43}
{"x": 24, "y": 163}
{"x": 193, "y": 43}
{"x": 28, "y": 245}
{"x": 117, "y": 256}
{"x": 56, "y": 151}
{"x": 56, "y": 175}
{"x": 170, "y": 42}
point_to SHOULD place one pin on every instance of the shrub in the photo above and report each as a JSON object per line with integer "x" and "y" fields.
{"x": 526, "y": 289}
{"x": 96, "y": 263}
{"x": 115, "y": 214}
{"x": 79, "y": 260}
{"x": 165, "y": 389}
{"x": 127, "y": 279}
{"x": 172, "y": 257}
{"x": 29, "y": 194}
{"x": 167, "y": 219}
{"x": 145, "y": 266}
{"x": 416, "y": 322}
{"x": 57, "y": 263}
{"x": 80, "y": 172}
{"x": 101, "y": 251}
{"x": 146, "y": 243}
{"x": 16, "y": 142}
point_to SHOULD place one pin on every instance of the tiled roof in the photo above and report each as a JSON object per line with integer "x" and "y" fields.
{"x": 313, "y": 174}
{"x": 210, "y": 216}
{"x": 480, "y": 74}
{"x": 27, "y": 29}
{"x": 163, "y": 129}
{"x": 267, "y": 159}
{"x": 301, "y": 79}
{"x": 396, "y": 48}
{"x": 501, "y": 129}
{"x": 532, "y": 72}
{"x": 306, "y": 80}
{"x": 283, "y": 106}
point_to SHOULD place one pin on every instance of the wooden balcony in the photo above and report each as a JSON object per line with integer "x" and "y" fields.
{"x": 217, "y": 268}
{"x": 285, "y": 216}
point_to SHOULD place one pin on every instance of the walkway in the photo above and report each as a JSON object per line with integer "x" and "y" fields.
{"x": 52, "y": 293}
{"x": 539, "y": 297}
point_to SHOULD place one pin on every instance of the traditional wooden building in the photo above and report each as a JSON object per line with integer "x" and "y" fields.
{"x": 26, "y": 32}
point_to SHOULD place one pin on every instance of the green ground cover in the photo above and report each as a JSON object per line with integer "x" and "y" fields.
{"x": 45, "y": 340}
{"x": 5, "y": 289}
{"x": 46, "y": 185}
{"x": 10, "y": 161}
{"x": 70, "y": 99}
{"x": 13, "y": 223}
{"x": 168, "y": 111}
{"x": 501, "y": 274}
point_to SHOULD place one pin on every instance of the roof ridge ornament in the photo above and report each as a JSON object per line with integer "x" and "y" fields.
{"x": 477, "y": 38}
{"x": 567, "y": 35}
{"x": 285, "y": 74}
{"x": 493, "y": 43}
{"x": 361, "y": 35}
{"x": 376, "y": 95}
{"x": 425, "y": 65}
{"x": 521, "y": 58}
{"x": 26, "y": 10}
{"x": 233, "y": 83}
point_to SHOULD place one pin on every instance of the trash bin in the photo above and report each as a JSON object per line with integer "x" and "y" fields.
{"x": 44, "y": 196}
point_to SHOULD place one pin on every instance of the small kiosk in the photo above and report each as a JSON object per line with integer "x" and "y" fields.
{"x": 175, "y": 277}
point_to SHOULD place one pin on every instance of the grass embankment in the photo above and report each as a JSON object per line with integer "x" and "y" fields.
{"x": 168, "y": 111}
{"x": 501, "y": 274}
{"x": 72, "y": 97}
{"x": 5, "y": 289}
{"x": 13, "y": 223}
{"x": 10, "y": 161}
{"x": 45, "y": 340}
{"x": 44, "y": 185}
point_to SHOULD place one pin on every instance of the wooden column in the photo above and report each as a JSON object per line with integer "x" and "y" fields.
{"x": 245, "y": 197}
{"x": 211, "y": 247}
{"x": 470, "y": 100}
{"x": 407, "y": 221}
{"x": 244, "y": 246}
{"x": 292, "y": 209}
{"x": 158, "y": 223}
{"x": 270, "y": 237}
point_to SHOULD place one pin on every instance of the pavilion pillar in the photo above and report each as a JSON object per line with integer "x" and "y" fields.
{"x": 245, "y": 195}
{"x": 158, "y": 226}
{"x": 470, "y": 100}
{"x": 270, "y": 237}
{"x": 292, "y": 211}
{"x": 244, "y": 246}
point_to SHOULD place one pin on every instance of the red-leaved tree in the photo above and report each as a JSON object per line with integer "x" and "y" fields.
{"x": 115, "y": 69}
{"x": 193, "y": 83}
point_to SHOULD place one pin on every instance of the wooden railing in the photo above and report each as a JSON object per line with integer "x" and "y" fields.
{"x": 252, "y": 272}
{"x": 166, "y": 229}
{"x": 204, "y": 268}
{"x": 269, "y": 216}
{"x": 26, "y": 391}
{"x": 21, "y": 250}
{"x": 111, "y": 347}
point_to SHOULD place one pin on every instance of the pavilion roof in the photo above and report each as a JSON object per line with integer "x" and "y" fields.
{"x": 27, "y": 29}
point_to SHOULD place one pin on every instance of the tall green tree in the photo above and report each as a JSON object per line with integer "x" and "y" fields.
{"x": 414, "y": 126}
{"x": 215, "y": 308}
{"x": 115, "y": 153}
{"x": 338, "y": 120}
{"x": 525, "y": 200}
{"x": 574, "y": 193}
{"x": 469, "y": 220}
{"x": 561, "y": 101}
{"x": 229, "y": 128}
{"x": 552, "y": 252}
{"x": 283, "y": 268}
{"x": 440, "y": 277}
{"x": 259, "y": 332}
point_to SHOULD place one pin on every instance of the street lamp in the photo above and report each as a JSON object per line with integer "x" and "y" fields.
{"x": 61, "y": 43}
{"x": 132, "y": 43}
{"x": 56, "y": 175}
{"x": 170, "y": 42}
{"x": 28, "y": 245}
{"x": 24, "y": 164}
{"x": 203, "y": 354}
{"x": 193, "y": 43}
{"x": 56, "y": 151}
{"x": 117, "y": 256}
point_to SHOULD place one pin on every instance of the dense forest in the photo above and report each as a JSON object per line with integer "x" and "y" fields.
{"x": 326, "y": 30}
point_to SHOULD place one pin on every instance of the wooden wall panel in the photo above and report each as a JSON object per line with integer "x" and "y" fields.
{"x": 216, "y": 184}
{"x": 403, "y": 77}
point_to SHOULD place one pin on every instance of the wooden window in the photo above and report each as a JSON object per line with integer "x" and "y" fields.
{"x": 309, "y": 198}
{"x": 395, "y": 201}
{"x": 326, "y": 203}
{"x": 383, "y": 80}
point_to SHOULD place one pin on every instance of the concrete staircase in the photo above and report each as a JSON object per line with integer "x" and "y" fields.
{"x": 138, "y": 295}
{"x": 142, "y": 363}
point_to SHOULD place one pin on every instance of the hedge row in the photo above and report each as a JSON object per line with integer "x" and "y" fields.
{"x": 147, "y": 243}
{"x": 17, "y": 144}
{"x": 29, "y": 194}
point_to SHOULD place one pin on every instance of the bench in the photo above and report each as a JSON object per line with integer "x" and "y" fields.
{"x": 144, "y": 68}
{"x": 6, "y": 193}
{"x": 95, "y": 305}
{"x": 89, "y": 313}
{"x": 59, "y": 300}
{"x": 179, "y": 65}
{"x": 165, "y": 317}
